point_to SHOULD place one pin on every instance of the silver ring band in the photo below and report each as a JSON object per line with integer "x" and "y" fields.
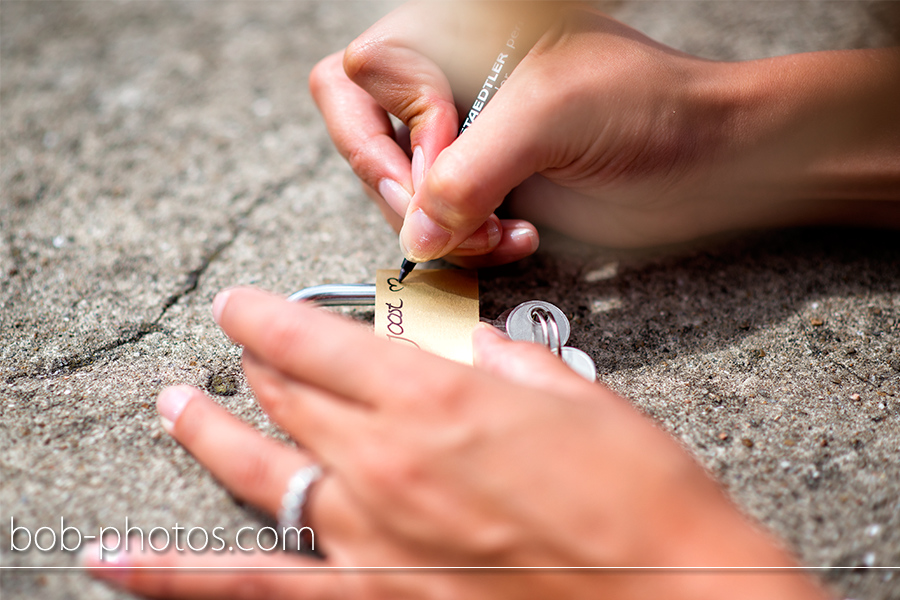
{"x": 549, "y": 328}
{"x": 290, "y": 516}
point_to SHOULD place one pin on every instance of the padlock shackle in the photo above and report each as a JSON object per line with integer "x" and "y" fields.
{"x": 337, "y": 294}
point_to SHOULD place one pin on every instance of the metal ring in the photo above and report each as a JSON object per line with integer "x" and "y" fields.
{"x": 548, "y": 322}
{"x": 290, "y": 516}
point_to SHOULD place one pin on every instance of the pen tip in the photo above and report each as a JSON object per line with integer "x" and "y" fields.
{"x": 405, "y": 269}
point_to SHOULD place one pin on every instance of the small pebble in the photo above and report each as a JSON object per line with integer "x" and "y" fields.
{"x": 223, "y": 384}
{"x": 816, "y": 322}
{"x": 855, "y": 397}
{"x": 723, "y": 436}
{"x": 747, "y": 442}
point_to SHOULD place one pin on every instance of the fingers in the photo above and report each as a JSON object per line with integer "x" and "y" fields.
{"x": 393, "y": 218}
{"x": 470, "y": 179}
{"x": 526, "y": 364}
{"x": 490, "y": 245}
{"x": 254, "y": 468}
{"x": 328, "y": 352}
{"x": 388, "y": 63}
{"x": 517, "y": 240}
{"x": 319, "y": 420}
{"x": 398, "y": 66}
{"x": 227, "y": 575}
{"x": 362, "y": 133}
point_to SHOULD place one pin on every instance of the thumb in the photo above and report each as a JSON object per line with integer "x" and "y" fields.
{"x": 525, "y": 363}
{"x": 471, "y": 177}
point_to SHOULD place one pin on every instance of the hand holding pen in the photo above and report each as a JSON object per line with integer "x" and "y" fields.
{"x": 602, "y": 134}
{"x": 431, "y": 73}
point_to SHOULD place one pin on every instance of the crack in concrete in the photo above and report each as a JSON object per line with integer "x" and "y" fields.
{"x": 72, "y": 363}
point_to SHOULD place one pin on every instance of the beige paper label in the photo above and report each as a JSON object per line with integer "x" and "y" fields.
{"x": 433, "y": 309}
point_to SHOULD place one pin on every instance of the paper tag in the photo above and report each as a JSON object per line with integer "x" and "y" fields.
{"x": 435, "y": 310}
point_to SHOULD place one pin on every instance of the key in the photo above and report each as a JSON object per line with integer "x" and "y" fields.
{"x": 544, "y": 323}
{"x": 523, "y": 326}
{"x": 580, "y": 362}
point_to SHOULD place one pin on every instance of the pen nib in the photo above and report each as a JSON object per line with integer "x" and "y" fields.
{"x": 405, "y": 269}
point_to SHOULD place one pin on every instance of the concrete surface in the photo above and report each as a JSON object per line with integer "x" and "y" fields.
{"x": 155, "y": 152}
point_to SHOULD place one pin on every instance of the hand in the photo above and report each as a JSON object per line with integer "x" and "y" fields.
{"x": 517, "y": 462}
{"x": 612, "y": 138}
{"x": 412, "y": 86}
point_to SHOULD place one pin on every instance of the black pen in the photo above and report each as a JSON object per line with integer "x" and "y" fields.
{"x": 507, "y": 59}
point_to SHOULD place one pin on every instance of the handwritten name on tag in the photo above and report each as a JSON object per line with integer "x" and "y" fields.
{"x": 435, "y": 310}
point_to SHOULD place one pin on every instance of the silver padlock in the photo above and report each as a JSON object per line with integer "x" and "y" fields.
{"x": 533, "y": 321}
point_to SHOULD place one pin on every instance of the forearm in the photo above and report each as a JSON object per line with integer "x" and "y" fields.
{"x": 716, "y": 551}
{"x": 821, "y": 129}
{"x": 745, "y": 562}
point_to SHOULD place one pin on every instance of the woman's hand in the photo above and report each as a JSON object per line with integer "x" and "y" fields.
{"x": 517, "y": 463}
{"x": 608, "y": 136}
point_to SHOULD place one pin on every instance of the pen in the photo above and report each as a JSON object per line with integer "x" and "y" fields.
{"x": 507, "y": 59}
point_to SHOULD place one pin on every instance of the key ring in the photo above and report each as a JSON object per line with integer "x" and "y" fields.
{"x": 543, "y": 317}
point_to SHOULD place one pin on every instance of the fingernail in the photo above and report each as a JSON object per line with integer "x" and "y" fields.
{"x": 490, "y": 330}
{"x": 93, "y": 556}
{"x": 421, "y": 239}
{"x": 219, "y": 303}
{"x": 521, "y": 234}
{"x": 395, "y": 195}
{"x": 418, "y": 167}
{"x": 171, "y": 403}
{"x": 485, "y": 237}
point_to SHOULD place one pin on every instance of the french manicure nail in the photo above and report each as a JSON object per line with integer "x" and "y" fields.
{"x": 418, "y": 167}
{"x": 111, "y": 565}
{"x": 171, "y": 404}
{"x": 421, "y": 239}
{"x": 219, "y": 303}
{"x": 485, "y": 238}
{"x": 523, "y": 234}
{"x": 395, "y": 195}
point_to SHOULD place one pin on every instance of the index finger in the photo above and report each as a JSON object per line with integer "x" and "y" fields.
{"x": 362, "y": 133}
{"x": 329, "y": 352}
